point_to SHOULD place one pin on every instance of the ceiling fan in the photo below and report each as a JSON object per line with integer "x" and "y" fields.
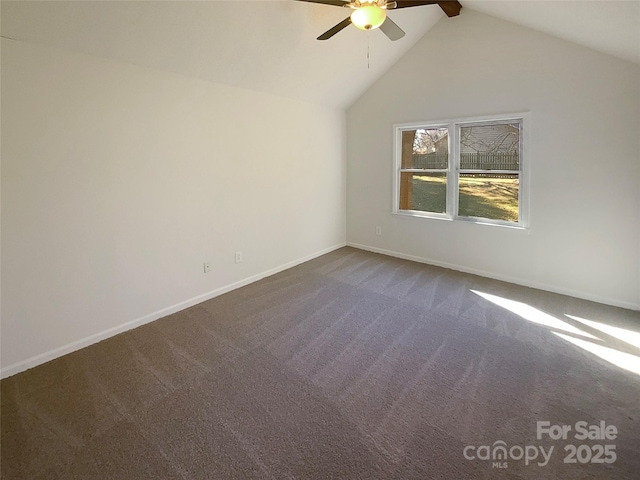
{"x": 371, "y": 14}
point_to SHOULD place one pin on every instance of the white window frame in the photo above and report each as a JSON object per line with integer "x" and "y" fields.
{"x": 453, "y": 171}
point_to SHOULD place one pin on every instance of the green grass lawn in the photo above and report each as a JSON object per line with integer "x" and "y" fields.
{"x": 494, "y": 198}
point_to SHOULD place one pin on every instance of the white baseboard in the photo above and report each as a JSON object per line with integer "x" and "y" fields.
{"x": 496, "y": 276}
{"x": 85, "y": 342}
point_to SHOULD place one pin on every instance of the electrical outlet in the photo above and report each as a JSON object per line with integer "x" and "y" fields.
{"x": 207, "y": 267}
{"x": 378, "y": 230}
{"x": 238, "y": 257}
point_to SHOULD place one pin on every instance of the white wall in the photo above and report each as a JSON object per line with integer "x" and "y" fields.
{"x": 584, "y": 238}
{"x": 118, "y": 182}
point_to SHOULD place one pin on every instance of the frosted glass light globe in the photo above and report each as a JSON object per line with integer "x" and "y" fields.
{"x": 368, "y": 17}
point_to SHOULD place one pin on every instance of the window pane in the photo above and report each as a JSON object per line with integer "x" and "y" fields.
{"x": 426, "y": 192}
{"x": 490, "y": 147}
{"x": 426, "y": 148}
{"x": 487, "y": 195}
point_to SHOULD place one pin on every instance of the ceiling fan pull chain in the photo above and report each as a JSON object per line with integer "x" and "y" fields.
{"x": 368, "y": 64}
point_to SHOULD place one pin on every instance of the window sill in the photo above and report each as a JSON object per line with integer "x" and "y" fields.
{"x": 461, "y": 220}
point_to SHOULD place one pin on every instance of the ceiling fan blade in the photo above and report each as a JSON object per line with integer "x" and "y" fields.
{"x": 337, "y": 3}
{"x": 332, "y": 31}
{"x": 414, "y": 3}
{"x": 450, "y": 7}
{"x": 391, "y": 30}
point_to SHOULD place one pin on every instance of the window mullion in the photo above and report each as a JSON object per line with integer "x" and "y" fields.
{"x": 454, "y": 166}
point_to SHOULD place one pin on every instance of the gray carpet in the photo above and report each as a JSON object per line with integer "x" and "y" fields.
{"x": 350, "y": 366}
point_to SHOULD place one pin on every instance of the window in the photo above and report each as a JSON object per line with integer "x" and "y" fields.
{"x": 462, "y": 170}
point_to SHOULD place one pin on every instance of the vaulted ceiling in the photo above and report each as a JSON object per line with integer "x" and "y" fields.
{"x": 271, "y": 45}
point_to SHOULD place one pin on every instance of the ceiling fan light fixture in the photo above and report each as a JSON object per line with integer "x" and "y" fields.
{"x": 368, "y": 17}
